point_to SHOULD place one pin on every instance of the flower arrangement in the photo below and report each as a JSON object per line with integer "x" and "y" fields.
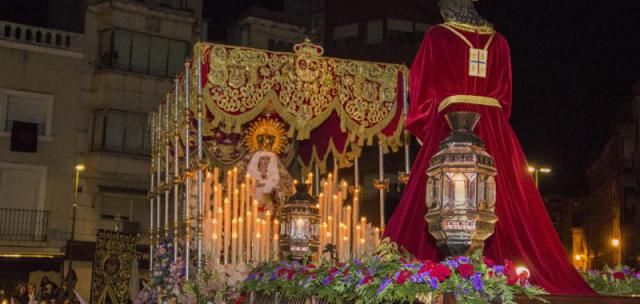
{"x": 619, "y": 281}
{"x": 166, "y": 277}
{"x": 217, "y": 284}
{"x": 393, "y": 277}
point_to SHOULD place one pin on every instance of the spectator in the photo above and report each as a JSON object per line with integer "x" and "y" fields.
{"x": 21, "y": 296}
{"x": 49, "y": 293}
{"x": 32, "y": 292}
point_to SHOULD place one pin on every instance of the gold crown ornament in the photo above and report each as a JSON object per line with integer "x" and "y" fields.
{"x": 266, "y": 134}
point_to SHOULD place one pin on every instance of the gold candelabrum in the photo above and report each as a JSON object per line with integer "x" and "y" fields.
{"x": 461, "y": 189}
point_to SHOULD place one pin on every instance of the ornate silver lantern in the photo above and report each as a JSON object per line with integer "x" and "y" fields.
{"x": 299, "y": 225}
{"x": 461, "y": 189}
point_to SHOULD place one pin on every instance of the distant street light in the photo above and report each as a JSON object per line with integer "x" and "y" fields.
{"x": 536, "y": 172}
{"x": 615, "y": 243}
{"x": 79, "y": 168}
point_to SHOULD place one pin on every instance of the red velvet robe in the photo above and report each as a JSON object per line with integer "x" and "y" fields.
{"x": 524, "y": 232}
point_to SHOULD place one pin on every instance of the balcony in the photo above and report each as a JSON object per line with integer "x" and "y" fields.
{"x": 60, "y": 41}
{"x": 180, "y": 5}
{"x": 23, "y": 224}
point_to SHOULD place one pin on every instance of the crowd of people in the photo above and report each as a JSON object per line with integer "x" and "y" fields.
{"x": 48, "y": 293}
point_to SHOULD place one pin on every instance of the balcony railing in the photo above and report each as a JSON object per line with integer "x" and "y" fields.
{"x": 23, "y": 224}
{"x": 41, "y": 36}
{"x": 172, "y": 4}
{"x": 181, "y": 5}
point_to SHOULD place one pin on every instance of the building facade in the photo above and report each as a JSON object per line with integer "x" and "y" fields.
{"x": 613, "y": 181}
{"x": 269, "y": 30}
{"x": 89, "y": 93}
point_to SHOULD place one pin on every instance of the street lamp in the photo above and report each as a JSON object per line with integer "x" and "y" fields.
{"x": 79, "y": 168}
{"x": 536, "y": 171}
{"x": 615, "y": 243}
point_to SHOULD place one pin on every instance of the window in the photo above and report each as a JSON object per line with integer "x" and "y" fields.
{"x": 399, "y": 31}
{"x": 22, "y": 186}
{"x": 121, "y": 132}
{"x": 279, "y": 45}
{"x": 142, "y": 53}
{"x": 374, "y": 32}
{"x": 345, "y": 35}
{"x": 131, "y": 209}
{"x": 26, "y": 107}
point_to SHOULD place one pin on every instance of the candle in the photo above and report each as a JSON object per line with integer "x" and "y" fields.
{"x": 227, "y": 229}
{"x": 276, "y": 248}
{"x": 330, "y": 229}
{"x": 235, "y": 179}
{"x": 310, "y": 182}
{"x": 267, "y": 233}
{"x": 258, "y": 244}
{"x": 356, "y": 241}
{"x": 336, "y": 217}
{"x": 240, "y": 240}
{"x": 376, "y": 237}
{"x": 234, "y": 241}
{"x": 243, "y": 196}
{"x": 256, "y": 229}
{"x": 321, "y": 209}
{"x": 347, "y": 217}
{"x": 247, "y": 249}
{"x": 214, "y": 238}
{"x": 219, "y": 219}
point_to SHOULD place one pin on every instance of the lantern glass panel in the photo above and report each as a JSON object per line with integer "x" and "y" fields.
{"x": 471, "y": 190}
{"x": 431, "y": 195}
{"x": 491, "y": 192}
{"x": 299, "y": 228}
{"x": 459, "y": 183}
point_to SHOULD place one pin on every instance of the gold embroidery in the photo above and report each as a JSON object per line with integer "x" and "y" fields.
{"x": 478, "y": 58}
{"x": 471, "y": 28}
{"x": 470, "y": 99}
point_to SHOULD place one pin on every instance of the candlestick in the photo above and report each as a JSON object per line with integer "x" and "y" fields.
{"x": 200, "y": 157}
{"x": 381, "y": 177}
{"x": 187, "y": 160}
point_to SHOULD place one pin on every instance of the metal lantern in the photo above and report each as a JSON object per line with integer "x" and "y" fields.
{"x": 461, "y": 189}
{"x": 299, "y": 225}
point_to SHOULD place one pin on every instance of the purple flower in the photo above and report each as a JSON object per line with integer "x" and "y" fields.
{"x": 327, "y": 280}
{"x": 417, "y": 278}
{"x": 463, "y": 259}
{"x": 434, "y": 283}
{"x": 273, "y": 277}
{"x": 476, "y": 282}
{"x": 452, "y": 264}
{"x": 498, "y": 269}
{"x": 626, "y": 271}
{"x": 383, "y": 286}
{"x": 357, "y": 262}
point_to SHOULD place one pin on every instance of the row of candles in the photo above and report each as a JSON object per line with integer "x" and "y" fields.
{"x": 339, "y": 224}
{"x": 237, "y": 231}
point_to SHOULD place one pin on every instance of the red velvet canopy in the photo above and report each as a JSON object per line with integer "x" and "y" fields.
{"x": 524, "y": 232}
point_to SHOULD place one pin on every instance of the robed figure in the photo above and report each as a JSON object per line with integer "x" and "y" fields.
{"x": 464, "y": 65}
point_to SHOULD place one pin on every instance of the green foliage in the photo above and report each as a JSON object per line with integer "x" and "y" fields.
{"x": 392, "y": 276}
{"x": 619, "y": 281}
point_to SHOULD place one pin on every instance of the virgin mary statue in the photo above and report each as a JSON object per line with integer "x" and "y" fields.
{"x": 464, "y": 65}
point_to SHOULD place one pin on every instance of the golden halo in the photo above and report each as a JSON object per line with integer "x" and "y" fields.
{"x": 265, "y": 127}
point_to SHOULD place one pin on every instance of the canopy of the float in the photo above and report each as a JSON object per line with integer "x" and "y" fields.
{"x": 329, "y": 105}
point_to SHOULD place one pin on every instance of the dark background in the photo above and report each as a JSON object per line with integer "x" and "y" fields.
{"x": 575, "y": 63}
